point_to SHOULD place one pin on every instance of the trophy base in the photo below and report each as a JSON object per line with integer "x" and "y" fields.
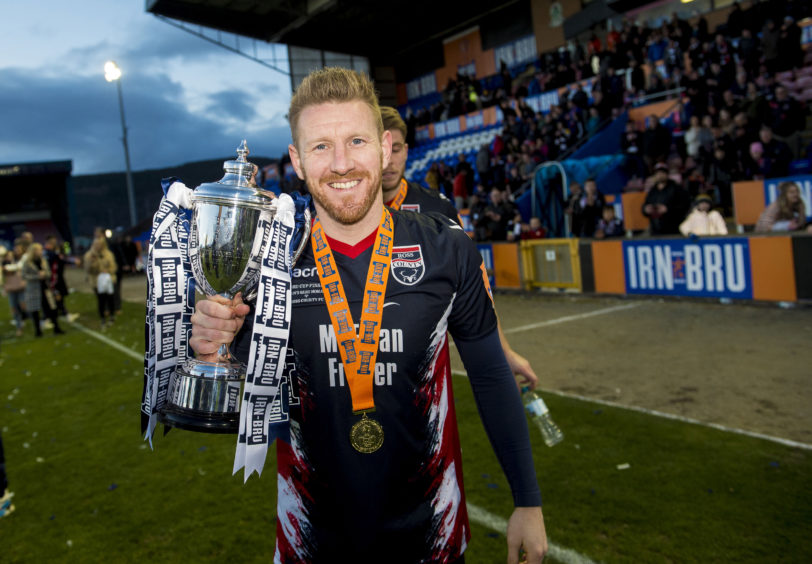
{"x": 205, "y": 397}
{"x": 200, "y": 421}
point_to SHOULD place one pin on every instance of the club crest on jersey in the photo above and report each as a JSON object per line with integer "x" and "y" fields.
{"x": 408, "y": 266}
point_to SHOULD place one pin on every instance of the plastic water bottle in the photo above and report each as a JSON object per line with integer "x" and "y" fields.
{"x": 540, "y": 415}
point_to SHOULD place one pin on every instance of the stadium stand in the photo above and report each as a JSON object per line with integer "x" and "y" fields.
{"x": 580, "y": 98}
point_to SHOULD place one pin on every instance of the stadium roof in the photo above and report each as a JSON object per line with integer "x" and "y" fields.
{"x": 385, "y": 32}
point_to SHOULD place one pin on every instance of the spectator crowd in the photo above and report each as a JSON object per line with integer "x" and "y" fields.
{"x": 33, "y": 278}
{"x": 735, "y": 119}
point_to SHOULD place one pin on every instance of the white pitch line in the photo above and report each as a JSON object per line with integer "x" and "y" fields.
{"x": 498, "y": 524}
{"x": 108, "y": 341}
{"x": 567, "y": 318}
{"x": 680, "y": 418}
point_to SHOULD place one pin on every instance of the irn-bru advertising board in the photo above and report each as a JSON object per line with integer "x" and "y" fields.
{"x": 709, "y": 268}
{"x": 755, "y": 267}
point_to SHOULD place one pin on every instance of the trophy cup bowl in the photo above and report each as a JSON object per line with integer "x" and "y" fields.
{"x": 225, "y": 247}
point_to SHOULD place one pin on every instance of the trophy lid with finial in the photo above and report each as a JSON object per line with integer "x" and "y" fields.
{"x": 238, "y": 185}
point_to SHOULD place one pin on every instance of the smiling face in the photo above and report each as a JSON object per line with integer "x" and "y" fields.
{"x": 340, "y": 156}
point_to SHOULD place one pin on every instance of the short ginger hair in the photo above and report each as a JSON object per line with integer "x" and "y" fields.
{"x": 333, "y": 84}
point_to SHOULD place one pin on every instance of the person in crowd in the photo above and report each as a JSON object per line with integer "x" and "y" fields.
{"x": 476, "y": 212}
{"x": 432, "y": 178}
{"x": 588, "y": 209}
{"x": 26, "y": 240}
{"x": 703, "y": 220}
{"x": 631, "y": 145}
{"x": 572, "y": 203}
{"x": 775, "y": 152}
{"x": 769, "y": 45}
{"x": 461, "y": 189}
{"x": 463, "y": 164}
{"x": 6, "y": 507}
{"x": 786, "y": 213}
{"x": 14, "y": 284}
{"x": 514, "y": 181}
{"x": 117, "y": 250}
{"x": 609, "y": 225}
{"x": 787, "y": 120}
{"x": 100, "y": 267}
{"x": 483, "y": 162}
{"x": 38, "y": 297}
{"x": 666, "y": 204}
{"x": 656, "y": 141}
{"x": 748, "y": 51}
{"x": 500, "y": 213}
{"x": 527, "y": 167}
{"x": 692, "y": 141}
{"x": 534, "y": 230}
{"x": 341, "y": 501}
{"x": 756, "y": 166}
{"x": 56, "y": 283}
{"x": 789, "y": 47}
{"x": 130, "y": 252}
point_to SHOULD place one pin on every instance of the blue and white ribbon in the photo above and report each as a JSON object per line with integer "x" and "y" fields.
{"x": 264, "y": 412}
{"x": 170, "y": 300}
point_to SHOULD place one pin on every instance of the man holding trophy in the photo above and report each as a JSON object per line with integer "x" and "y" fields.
{"x": 371, "y": 470}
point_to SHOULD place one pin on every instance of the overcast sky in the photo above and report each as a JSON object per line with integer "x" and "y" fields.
{"x": 185, "y": 99}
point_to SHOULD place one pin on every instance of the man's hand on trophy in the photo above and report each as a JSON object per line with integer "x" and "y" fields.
{"x": 216, "y": 322}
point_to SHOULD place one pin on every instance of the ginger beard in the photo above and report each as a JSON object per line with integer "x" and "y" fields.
{"x": 346, "y": 209}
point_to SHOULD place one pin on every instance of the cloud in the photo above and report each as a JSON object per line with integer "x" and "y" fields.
{"x": 73, "y": 118}
{"x": 185, "y": 98}
{"x": 234, "y": 104}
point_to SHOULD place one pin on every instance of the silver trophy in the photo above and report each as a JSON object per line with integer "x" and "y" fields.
{"x": 225, "y": 247}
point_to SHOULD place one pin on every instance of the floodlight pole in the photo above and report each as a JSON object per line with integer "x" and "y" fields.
{"x": 130, "y": 194}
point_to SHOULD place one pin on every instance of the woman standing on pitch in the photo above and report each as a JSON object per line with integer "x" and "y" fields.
{"x": 35, "y": 272}
{"x": 100, "y": 265}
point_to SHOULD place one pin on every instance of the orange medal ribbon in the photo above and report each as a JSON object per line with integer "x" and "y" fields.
{"x": 400, "y": 196}
{"x": 358, "y": 350}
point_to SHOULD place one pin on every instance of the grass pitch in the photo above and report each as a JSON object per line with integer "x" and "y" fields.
{"x": 88, "y": 489}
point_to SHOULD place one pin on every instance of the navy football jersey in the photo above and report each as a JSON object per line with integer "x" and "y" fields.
{"x": 404, "y": 502}
{"x": 424, "y": 200}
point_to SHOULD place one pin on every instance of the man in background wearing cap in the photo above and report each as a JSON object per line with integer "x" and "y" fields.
{"x": 666, "y": 203}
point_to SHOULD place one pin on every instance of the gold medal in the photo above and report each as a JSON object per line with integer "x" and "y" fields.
{"x": 366, "y": 435}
